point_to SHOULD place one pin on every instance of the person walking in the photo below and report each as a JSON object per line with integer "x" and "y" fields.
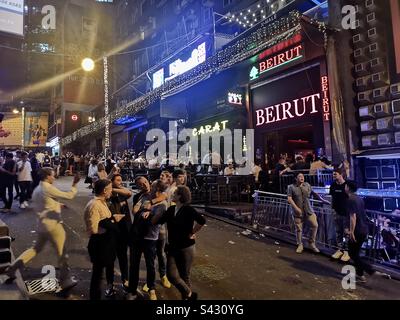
{"x": 183, "y": 222}
{"x": 102, "y": 228}
{"x": 50, "y": 226}
{"x": 299, "y": 194}
{"x": 339, "y": 199}
{"x": 24, "y": 171}
{"x": 7, "y": 173}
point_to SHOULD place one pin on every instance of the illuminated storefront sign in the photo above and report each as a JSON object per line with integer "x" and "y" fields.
{"x": 325, "y": 98}
{"x": 288, "y": 110}
{"x": 218, "y": 126}
{"x": 179, "y": 66}
{"x": 74, "y": 117}
{"x": 235, "y": 98}
{"x": 277, "y": 61}
{"x": 158, "y": 78}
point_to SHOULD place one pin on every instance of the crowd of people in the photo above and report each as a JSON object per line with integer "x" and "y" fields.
{"x": 161, "y": 225}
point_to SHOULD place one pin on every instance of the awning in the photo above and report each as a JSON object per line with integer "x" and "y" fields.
{"x": 379, "y": 154}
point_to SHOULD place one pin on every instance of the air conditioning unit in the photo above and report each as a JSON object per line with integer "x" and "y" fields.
{"x": 379, "y": 79}
{"x": 381, "y": 109}
{"x": 384, "y": 139}
{"x": 361, "y": 69}
{"x": 368, "y": 141}
{"x": 383, "y": 123}
{"x": 364, "y": 97}
{"x": 365, "y": 112}
{"x": 395, "y": 90}
{"x": 396, "y": 106}
{"x": 396, "y": 122}
{"x": 359, "y": 40}
{"x": 373, "y": 34}
{"x": 371, "y": 5}
{"x": 380, "y": 94}
{"x": 372, "y": 19}
{"x": 397, "y": 137}
{"x": 367, "y": 126}
{"x": 376, "y": 65}
{"x": 359, "y": 55}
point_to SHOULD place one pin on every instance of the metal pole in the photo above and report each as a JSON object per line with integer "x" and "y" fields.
{"x": 106, "y": 108}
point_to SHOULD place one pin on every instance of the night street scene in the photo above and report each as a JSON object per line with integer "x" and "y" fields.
{"x": 211, "y": 150}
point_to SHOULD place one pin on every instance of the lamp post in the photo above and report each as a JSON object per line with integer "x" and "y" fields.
{"x": 88, "y": 65}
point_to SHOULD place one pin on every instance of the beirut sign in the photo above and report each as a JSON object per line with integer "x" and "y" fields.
{"x": 296, "y": 108}
{"x": 277, "y": 61}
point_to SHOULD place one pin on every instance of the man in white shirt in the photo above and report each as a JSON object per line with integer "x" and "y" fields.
{"x": 50, "y": 227}
{"x": 24, "y": 170}
{"x": 229, "y": 170}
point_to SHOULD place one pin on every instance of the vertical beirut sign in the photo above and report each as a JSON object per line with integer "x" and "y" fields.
{"x": 12, "y": 16}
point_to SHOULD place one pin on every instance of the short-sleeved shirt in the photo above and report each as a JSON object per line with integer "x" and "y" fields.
{"x": 301, "y": 196}
{"x": 355, "y": 205}
{"x": 339, "y": 198}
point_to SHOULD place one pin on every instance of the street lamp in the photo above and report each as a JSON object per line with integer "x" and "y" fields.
{"x": 88, "y": 65}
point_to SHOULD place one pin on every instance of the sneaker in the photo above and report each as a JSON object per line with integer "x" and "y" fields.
{"x": 26, "y": 203}
{"x": 337, "y": 255}
{"x": 165, "y": 282}
{"x": 131, "y": 296}
{"x": 300, "y": 248}
{"x": 361, "y": 279}
{"x": 22, "y": 206}
{"x": 145, "y": 288}
{"x": 153, "y": 295}
{"x": 110, "y": 292}
{"x": 345, "y": 257}
{"x": 314, "y": 248}
{"x": 125, "y": 287}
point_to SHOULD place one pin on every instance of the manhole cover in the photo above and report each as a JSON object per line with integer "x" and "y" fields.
{"x": 209, "y": 273}
{"x": 42, "y": 286}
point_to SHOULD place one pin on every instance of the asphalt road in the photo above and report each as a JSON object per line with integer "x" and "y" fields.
{"x": 228, "y": 265}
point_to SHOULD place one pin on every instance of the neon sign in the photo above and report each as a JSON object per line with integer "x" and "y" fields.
{"x": 288, "y": 110}
{"x": 277, "y": 61}
{"x": 179, "y": 67}
{"x": 235, "y": 98}
{"x": 74, "y": 117}
{"x": 158, "y": 78}
{"x": 218, "y": 126}
{"x": 325, "y": 98}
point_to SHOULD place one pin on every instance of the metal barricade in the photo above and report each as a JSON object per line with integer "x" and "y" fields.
{"x": 272, "y": 211}
{"x": 321, "y": 179}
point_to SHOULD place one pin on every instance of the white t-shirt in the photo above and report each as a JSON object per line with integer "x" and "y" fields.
{"x": 26, "y": 173}
{"x": 229, "y": 171}
{"x": 256, "y": 170}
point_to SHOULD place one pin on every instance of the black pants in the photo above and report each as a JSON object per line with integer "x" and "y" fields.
{"x": 161, "y": 257}
{"x": 16, "y": 185}
{"x": 148, "y": 248}
{"x": 97, "y": 274}
{"x": 24, "y": 187}
{"x": 354, "y": 252}
{"x": 7, "y": 187}
{"x": 122, "y": 250}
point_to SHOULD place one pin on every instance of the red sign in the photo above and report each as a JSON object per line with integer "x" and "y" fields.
{"x": 288, "y": 110}
{"x": 325, "y": 98}
{"x": 280, "y": 46}
{"x": 74, "y": 117}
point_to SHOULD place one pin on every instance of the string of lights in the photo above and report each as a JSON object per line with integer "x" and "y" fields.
{"x": 258, "y": 40}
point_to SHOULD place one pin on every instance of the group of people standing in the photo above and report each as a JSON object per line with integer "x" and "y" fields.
{"x": 161, "y": 225}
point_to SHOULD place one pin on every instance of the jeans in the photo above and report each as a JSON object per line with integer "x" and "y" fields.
{"x": 7, "y": 187}
{"x": 24, "y": 187}
{"x": 179, "y": 265}
{"x": 161, "y": 257}
{"x": 341, "y": 223}
{"x": 97, "y": 274}
{"x": 354, "y": 252}
{"x": 313, "y": 223}
{"x": 148, "y": 248}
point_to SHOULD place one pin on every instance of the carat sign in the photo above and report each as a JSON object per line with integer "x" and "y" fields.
{"x": 12, "y": 16}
